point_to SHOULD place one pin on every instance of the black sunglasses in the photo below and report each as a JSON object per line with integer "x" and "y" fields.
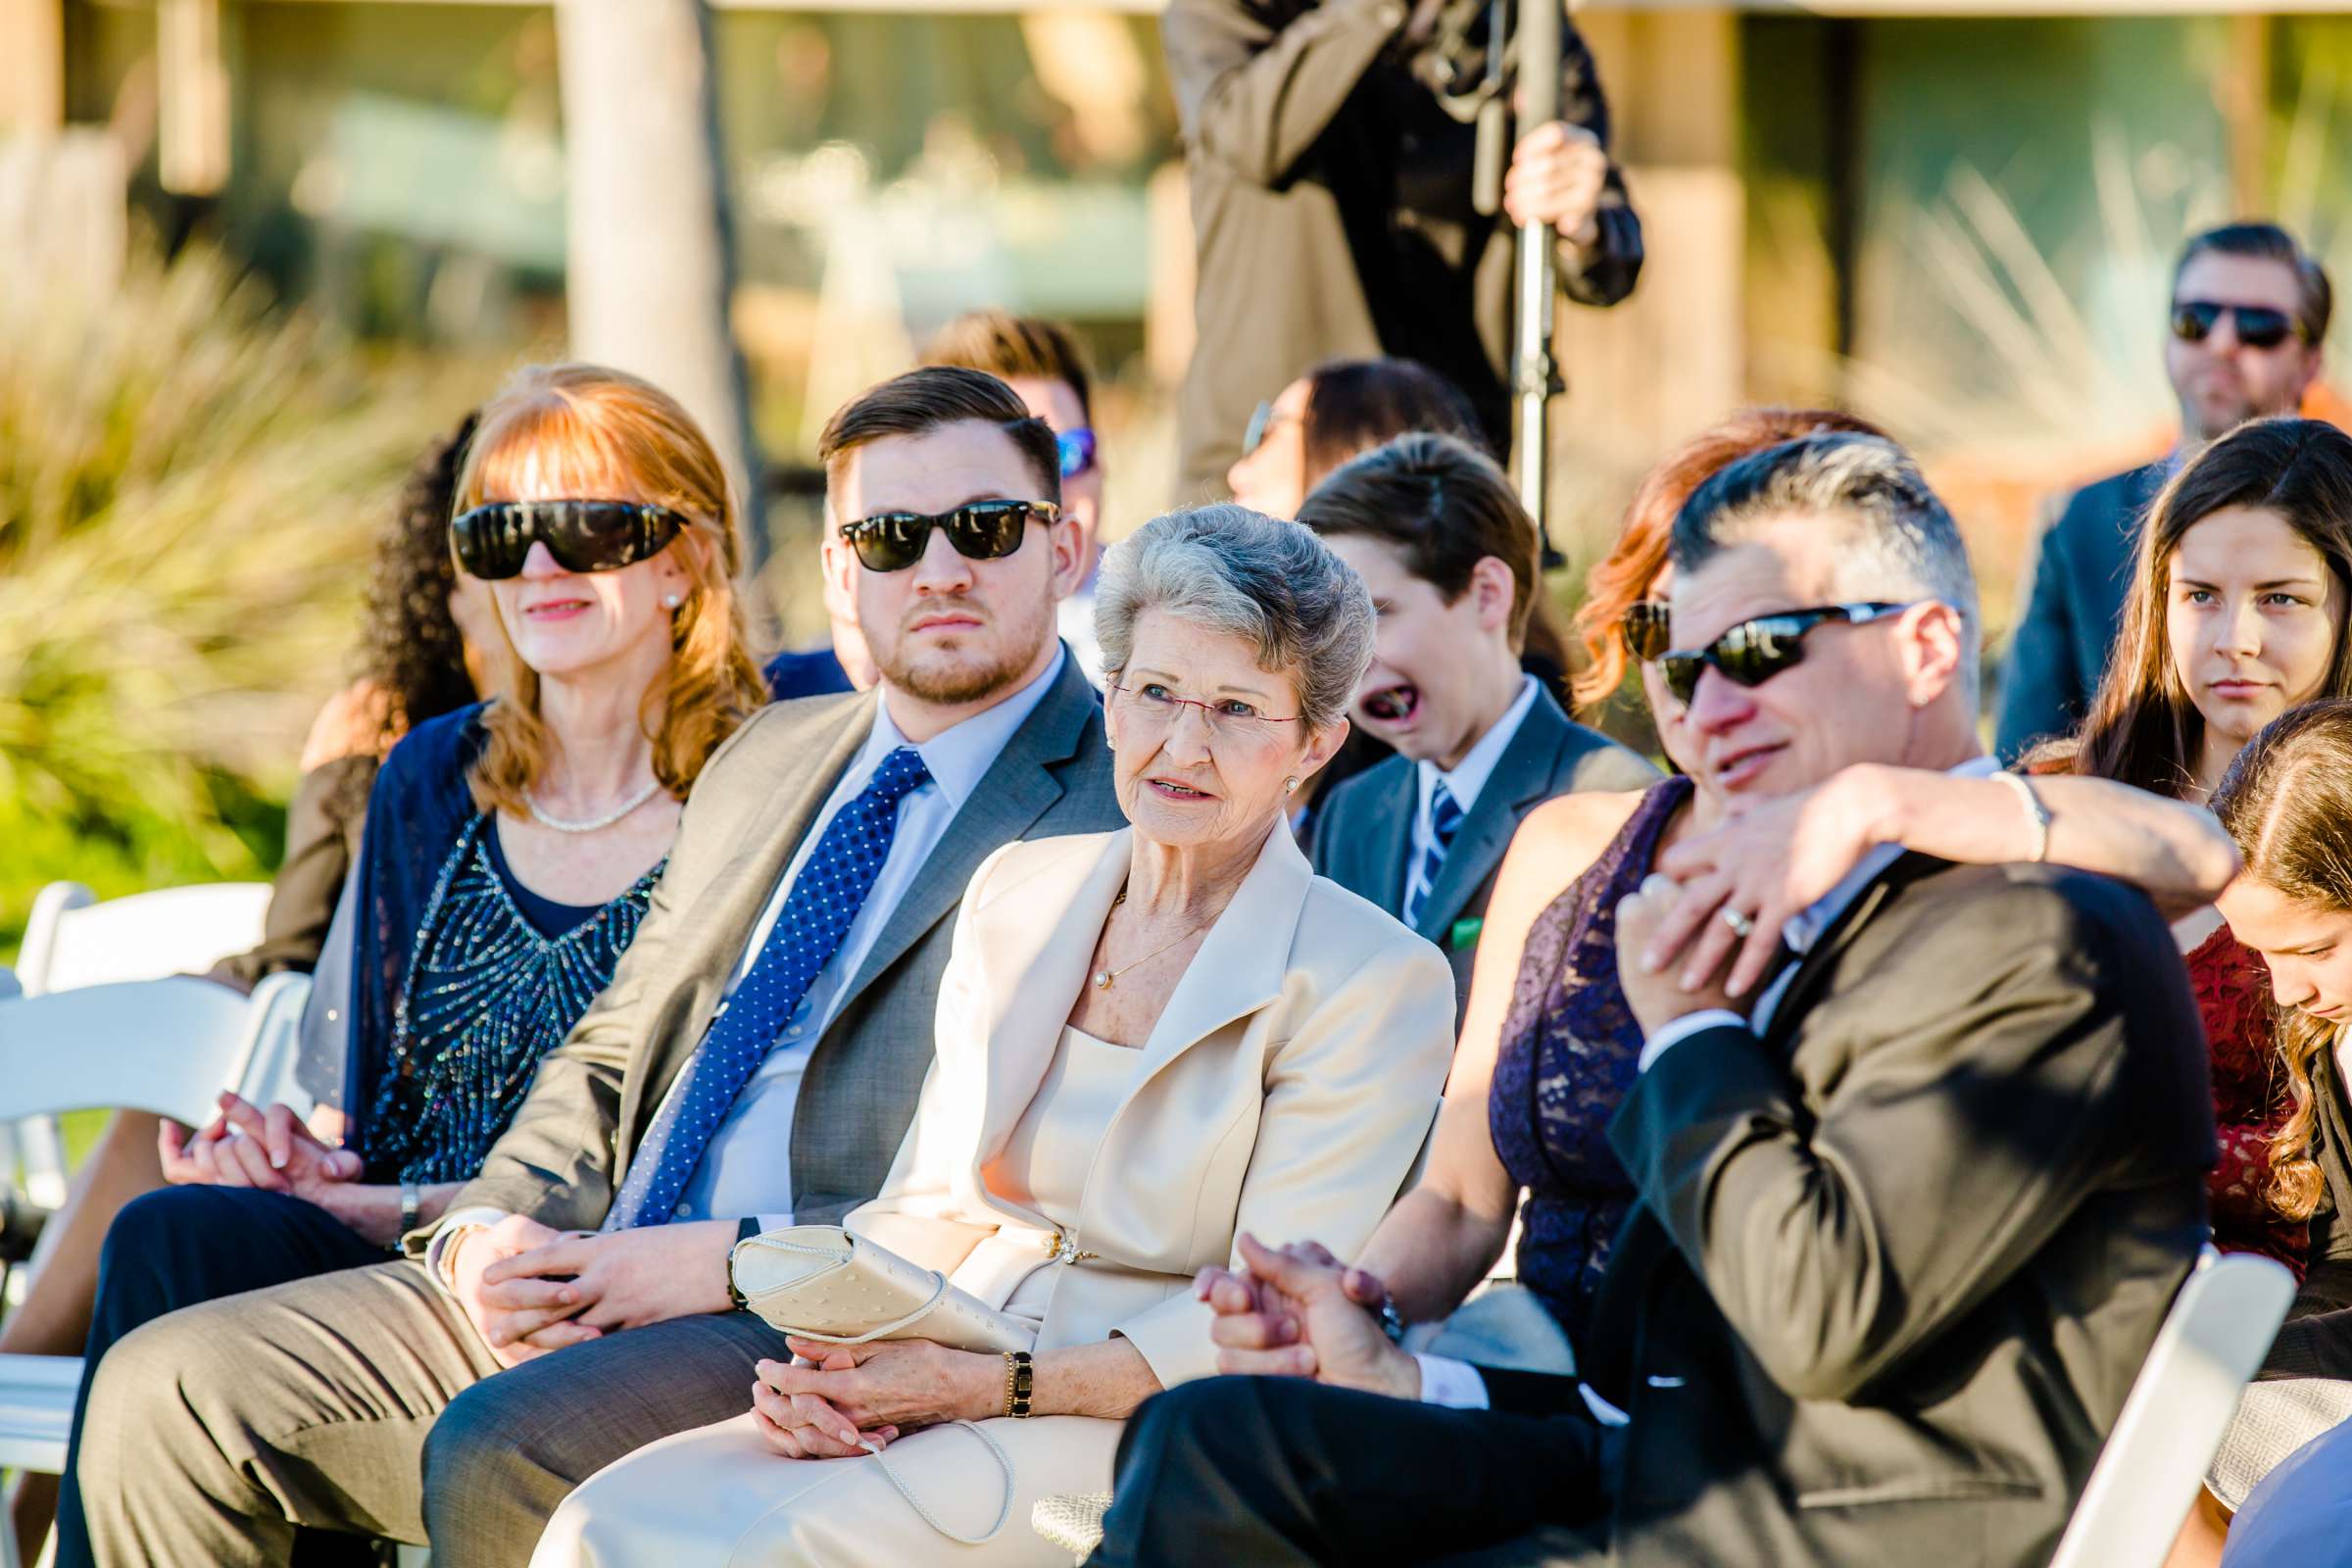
{"x": 2259, "y": 326}
{"x": 492, "y": 541}
{"x": 1647, "y": 628}
{"x": 981, "y": 530}
{"x": 1755, "y": 651}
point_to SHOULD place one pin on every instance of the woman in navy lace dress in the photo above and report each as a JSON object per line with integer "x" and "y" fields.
{"x": 509, "y": 852}
{"x": 1548, "y": 1046}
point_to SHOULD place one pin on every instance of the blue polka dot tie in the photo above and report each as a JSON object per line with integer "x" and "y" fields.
{"x": 1445, "y": 821}
{"x": 817, "y": 913}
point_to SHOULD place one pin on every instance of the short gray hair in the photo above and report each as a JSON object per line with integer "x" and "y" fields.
{"x": 1271, "y": 583}
{"x": 1899, "y": 541}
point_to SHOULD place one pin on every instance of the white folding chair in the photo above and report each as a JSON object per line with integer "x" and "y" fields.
{"x": 72, "y": 940}
{"x": 2211, "y": 1344}
{"x": 165, "y": 1046}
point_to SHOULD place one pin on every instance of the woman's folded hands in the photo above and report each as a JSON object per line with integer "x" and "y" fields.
{"x": 835, "y": 1401}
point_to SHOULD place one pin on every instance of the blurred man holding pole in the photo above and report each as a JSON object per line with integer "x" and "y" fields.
{"x": 1332, "y": 150}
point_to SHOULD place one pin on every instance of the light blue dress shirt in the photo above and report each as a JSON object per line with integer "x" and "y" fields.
{"x": 748, "y": 1168}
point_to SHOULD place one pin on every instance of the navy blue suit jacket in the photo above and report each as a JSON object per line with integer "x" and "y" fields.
{"x": 2081, "y": 576}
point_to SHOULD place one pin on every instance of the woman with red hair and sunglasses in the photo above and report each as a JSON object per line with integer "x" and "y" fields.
{"x": 509, "y": 851}
{"x": 1549, "y": 1047}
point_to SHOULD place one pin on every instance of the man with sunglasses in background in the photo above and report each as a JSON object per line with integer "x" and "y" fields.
{"x": 1906, "y": 1219}
{"x": 2249, "y": 318}
{"x": 1041, "y": 362}
{"x": 754, "y": 1062}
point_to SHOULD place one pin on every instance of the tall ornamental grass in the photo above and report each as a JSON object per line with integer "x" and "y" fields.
{"x": 190, "y": 481}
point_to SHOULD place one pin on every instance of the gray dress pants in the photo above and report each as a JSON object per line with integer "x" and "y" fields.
{"x": 364, "y": 1401}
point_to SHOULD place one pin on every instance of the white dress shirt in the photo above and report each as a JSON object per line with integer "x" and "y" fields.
{"x": 1464, "y": 783}
{"x": 1457, "y": 1383}
{"x": 747, "y": 1169}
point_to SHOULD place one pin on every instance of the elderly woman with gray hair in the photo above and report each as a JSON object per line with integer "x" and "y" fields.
{"x": 1150, "y": 1044}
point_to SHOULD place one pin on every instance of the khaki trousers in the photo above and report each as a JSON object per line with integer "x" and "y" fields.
{"x": 364, "y": 1401}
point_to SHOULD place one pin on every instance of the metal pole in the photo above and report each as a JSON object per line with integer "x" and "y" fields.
{"x": 1539, "y": 81}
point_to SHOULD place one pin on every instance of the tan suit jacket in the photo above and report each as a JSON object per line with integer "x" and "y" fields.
{"x": 1285, "y": 1091}
{"x": 568, "y": 1148}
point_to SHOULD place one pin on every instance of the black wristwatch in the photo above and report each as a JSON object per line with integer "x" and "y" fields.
{"x": 745, "y": 1229}
{"x": 411, "y": 1202}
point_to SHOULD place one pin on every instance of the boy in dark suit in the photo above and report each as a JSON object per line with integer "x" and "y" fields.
{"x": 1449, "y": 555}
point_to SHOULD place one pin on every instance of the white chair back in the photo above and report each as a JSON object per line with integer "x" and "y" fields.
{"x": 165, "y": 1046}
{"x": 264, "y": 1073}
{"x": 72, "y": 940}
{"x": 2172, "y": 1425}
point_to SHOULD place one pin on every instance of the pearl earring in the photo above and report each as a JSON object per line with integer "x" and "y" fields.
{"x": 672, "y": 601}
{"x": 1290, "y": 786}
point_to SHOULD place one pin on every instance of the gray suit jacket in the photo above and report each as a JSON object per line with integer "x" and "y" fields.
{"x": 1894, "y": 1265}
{"x": 1362, "y": 838}
{"x": 569, "y": 1145}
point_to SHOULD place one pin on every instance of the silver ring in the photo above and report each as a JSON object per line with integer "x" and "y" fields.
{"x": 1740, "y": 924}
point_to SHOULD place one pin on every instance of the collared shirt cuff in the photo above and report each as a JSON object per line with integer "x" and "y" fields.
{"x": 1453, "y": 1384}
{"x": 1682, "y": 1028}
{"x": 445, "y": 1239}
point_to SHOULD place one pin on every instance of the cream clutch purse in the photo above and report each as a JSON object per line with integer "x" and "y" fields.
{"x": 819, "y": 1282}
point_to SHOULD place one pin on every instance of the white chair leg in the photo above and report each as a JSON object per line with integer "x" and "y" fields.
{"x": 9, "y": 1557}
{"x": 43, "y": 1141}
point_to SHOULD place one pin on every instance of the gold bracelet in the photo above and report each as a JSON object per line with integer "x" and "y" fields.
{"x": 1018, "y": 1374}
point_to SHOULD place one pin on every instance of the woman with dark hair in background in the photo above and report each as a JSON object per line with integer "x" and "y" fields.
{"x": 420, "y": 655}
{"x": 1340, "y": 410}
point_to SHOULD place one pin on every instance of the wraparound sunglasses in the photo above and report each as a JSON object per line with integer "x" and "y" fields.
{"x": 982, "y": 530}
{"x": 1755, "y": 651}
{"x": 492, "y": 541}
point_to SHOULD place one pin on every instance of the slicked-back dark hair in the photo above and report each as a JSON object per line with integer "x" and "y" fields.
{"x": 2270, "y": 242}
{"x": 921, "y": 401}
{"x": 1443, "y": 507}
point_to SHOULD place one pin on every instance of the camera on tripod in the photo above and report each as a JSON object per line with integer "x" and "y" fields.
{"x": 1468, "y": 57}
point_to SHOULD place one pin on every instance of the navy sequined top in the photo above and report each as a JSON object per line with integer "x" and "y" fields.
{"x": 497, "y": 978}
{"x": 1569, "y": 1054}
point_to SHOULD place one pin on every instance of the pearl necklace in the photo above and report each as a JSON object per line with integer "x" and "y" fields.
{"x": 540, "y": 815}
{"x": 1105, "y": 979}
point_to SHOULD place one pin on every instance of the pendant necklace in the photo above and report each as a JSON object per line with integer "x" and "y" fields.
{"x": 1106, "y": 978}
{"x": 543, "y": 819}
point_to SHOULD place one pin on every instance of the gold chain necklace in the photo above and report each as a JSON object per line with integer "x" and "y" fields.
{"x": 1106, "y": 978}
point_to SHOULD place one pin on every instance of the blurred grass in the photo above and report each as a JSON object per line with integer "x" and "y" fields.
{"x": 190, "y": 481}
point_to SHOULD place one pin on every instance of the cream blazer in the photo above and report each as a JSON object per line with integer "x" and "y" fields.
{"x": 1285, "y": 1090}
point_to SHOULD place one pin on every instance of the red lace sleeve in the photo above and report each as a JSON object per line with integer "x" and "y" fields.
{"x": 2232, "y": 993}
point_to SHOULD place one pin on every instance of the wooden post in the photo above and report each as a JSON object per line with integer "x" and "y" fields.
{"x": 33, "y": 65}
{"x": 2245, "y": 92}
{"x": 649, "y": 271}
{"x": 192, "y": 134}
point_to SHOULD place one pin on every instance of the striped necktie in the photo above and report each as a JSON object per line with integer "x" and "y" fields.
{"x": 816, "y": 916}
{"x": 1445, "y": 821}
